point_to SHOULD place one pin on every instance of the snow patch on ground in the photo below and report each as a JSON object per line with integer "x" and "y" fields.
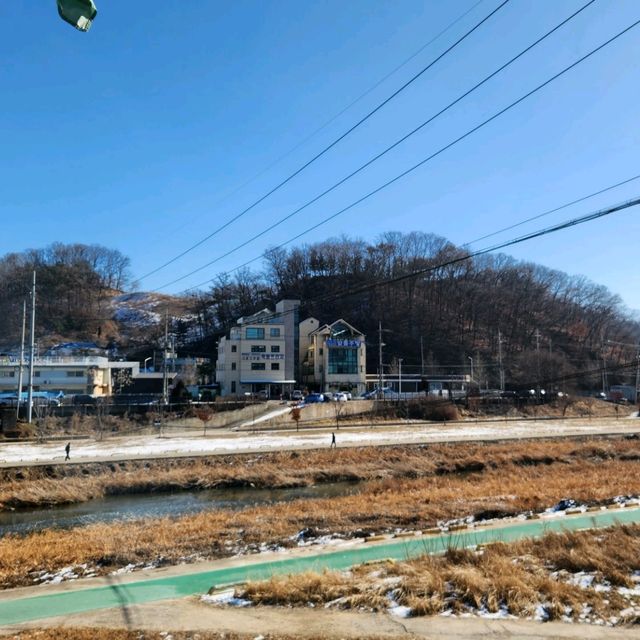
{"x": 225, "y": 598}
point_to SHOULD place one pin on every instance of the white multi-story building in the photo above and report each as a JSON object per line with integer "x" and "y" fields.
{"x": 259, "y": 354}
{"x": 271, "y": 352}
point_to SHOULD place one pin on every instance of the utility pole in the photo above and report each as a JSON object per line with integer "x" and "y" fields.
{"x": 637, "y": 372}
{"x": 165, "y": 378}
{"x": 538, "y": 361}
{"x": 32, "y": 349}
{"x": 24, "y": 328}
{"x": 380, "y": 373}
{"x": 421, "y": 357}
{"x": 399, "y": 377}
{"x": 500, "y": 360}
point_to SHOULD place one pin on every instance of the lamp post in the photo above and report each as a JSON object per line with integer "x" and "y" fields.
{"x": 399, "y": 377}
{"x": 145, "y": 362}
{"x": 471, "y": 361}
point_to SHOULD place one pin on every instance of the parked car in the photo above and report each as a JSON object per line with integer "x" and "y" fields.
{"x": 313, "y": 398}
{"x": 341, "y": 396}
{"x": 297, "y": 395}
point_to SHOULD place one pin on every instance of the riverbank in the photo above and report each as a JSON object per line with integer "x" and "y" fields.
{"x": 74, "y": 483}
{"x": 479, "y": 482}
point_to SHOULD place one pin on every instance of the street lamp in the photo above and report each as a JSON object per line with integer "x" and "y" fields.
{"x": 145, "y": 362}
{"x": 399, "y": 376}
{"x": 471, "y": 361}
{"x": 78, "y": 13}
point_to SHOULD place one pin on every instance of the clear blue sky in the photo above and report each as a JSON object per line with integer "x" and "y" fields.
{"x": 132, "y": 134}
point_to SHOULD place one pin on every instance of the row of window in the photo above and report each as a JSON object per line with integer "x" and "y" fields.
{"x": 261, "y": 348}
{"x": 259, "y": 366}
{"x": 257, "y": 333}
{"x": 36, "y": 374}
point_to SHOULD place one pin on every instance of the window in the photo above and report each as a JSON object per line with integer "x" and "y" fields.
{"x": 321, "y": 351}
{"x": 258, "y": 348}
{"x": 36, "y": 374}
{"x": 275, "y": 348}
{"x": 255, "y": 333}
{"x": 274, "y": 332}
{"x": 75, "y": 374}
{"x": 275, "y": 366}
{"x": 258, "y": 366}
{"x": 233, "y": 366}
{"x": 343, "y": 361}
{"x": 234, "y": 348}
{"x": 233, "y": 386}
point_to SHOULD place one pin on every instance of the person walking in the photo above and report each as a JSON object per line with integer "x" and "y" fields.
{"x": 333, "y": 441}
{"x": 67, "y": 450}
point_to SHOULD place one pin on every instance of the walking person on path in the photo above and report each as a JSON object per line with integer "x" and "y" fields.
{"x": 333, "y": 441}
{"x": 67, "y": 450}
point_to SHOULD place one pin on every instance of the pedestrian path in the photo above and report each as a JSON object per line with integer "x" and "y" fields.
{"x": 70, "y": 600}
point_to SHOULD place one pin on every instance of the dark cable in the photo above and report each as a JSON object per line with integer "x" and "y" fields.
{"x": 327, "y": 148}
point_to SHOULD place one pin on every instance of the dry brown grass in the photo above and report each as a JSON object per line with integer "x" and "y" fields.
{"x": 380, "y": 506}
{"x": 59, "y": 484}
{"x": 518, "y": 576}
{"x": 96, "y": 633}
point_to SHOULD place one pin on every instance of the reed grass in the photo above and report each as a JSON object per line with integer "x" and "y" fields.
{"x": 519, "y": 576}
{"x": 381, "y": 506}
{"x": 65, "y": 484}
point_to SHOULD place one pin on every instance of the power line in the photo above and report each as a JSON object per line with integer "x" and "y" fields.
{"x": 433, "y": 155}
{"x": 384, "y": 152}
{"x": 330, "y": 146}
{"x": 342, "y": 111}
{"x": 550, "y": 211}
{"x": 330, "y": 297}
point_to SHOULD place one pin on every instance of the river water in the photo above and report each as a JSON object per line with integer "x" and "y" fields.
{"x": 157, "y": 505}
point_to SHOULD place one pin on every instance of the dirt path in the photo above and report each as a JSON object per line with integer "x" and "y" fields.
{"x": 225, "y": 443}
{"x": 192, "y": 615}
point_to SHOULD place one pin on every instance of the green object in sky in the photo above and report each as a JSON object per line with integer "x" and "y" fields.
{"x": 78, "y": 13}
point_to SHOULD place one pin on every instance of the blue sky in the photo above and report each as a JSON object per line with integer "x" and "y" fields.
{"x": 137, "y": 134}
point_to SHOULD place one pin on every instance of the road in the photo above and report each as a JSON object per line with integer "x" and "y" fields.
{"x": 224, "y": 442}
{"x": 123, "y": 593}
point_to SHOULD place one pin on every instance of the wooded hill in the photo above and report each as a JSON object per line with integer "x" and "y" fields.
{"x": 553, "y": 326}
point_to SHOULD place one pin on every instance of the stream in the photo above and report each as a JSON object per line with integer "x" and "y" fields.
{"x": 158, "y": 505}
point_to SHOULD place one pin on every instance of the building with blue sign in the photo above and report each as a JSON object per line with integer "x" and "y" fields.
{"x": 273, "y": 353}
{"x": 332, "y": 356}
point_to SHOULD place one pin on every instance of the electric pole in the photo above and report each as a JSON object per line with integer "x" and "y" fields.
{"x": 32, "y": 349}
{"x": 165, "y": 379}
{"x": 421, "y": 357}
{"x": 500, "y": 360}
{"x": 24, "y": 328}
{"x": 380, "y": 374}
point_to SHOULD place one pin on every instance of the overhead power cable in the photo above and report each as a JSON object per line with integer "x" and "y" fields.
{"x": 550, "y": 211}
{"x": 464, "y": 257}
{"x": 330, "y": 146}
{"x": 457, "y": 140}
{"x": 385, "y": 151}
{"x": 342, "y": 111}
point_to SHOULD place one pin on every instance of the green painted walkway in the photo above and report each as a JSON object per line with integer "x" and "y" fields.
{"x": 117, "y": 595}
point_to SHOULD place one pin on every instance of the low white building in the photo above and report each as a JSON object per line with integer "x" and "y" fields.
{"x": 93, "y": 375}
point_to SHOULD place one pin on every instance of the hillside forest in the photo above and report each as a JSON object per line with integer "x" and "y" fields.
{"x": 438, "y": 308}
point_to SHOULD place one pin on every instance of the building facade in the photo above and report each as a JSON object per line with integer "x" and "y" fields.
{"x": 333, "y": 357}
{"x": 272, "y": 353}
{"x": 259, "y": 354}
{"x": 94, "y": 375}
